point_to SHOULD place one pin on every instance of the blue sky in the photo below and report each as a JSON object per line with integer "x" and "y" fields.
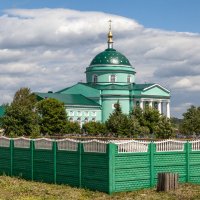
{"x": 177, "y": 15}
{"x": 42, "y": 43}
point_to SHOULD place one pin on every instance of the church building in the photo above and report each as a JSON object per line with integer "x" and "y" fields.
{"x": 110, "y": 78}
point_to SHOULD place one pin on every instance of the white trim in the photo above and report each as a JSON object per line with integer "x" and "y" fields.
{"x": 110, "y": 65}
{"x": 147, "y": 88}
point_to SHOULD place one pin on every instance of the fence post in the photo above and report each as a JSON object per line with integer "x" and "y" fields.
{"x": 188, "y": 149}
{"x": 151, "y": 154}
{"x": 11, "y": 156}
{"x": 80, "y": 146}
{"x": 32, "y": 147}
{"x": 111, "y": 149}
{"x": 54, "y": 160}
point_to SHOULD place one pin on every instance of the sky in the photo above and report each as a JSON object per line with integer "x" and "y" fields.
{"x": 46, "y": 45}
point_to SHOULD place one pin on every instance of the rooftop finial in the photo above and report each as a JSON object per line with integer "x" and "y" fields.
{"x": 110, "y": 36}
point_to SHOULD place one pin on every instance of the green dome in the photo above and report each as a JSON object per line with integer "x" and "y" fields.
{"x": 110, "y": 57}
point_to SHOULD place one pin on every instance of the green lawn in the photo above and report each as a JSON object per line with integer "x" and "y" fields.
{"x": 13, "y": 188}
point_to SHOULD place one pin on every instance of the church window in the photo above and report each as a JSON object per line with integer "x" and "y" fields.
{"x": 112, "y": 78}
{"x": 95, "y": 78}
{"x": 128, "y": 79}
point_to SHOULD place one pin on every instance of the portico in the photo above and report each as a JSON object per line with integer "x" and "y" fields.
{"x": 160, "y": 104}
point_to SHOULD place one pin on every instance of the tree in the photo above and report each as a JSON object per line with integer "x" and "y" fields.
{"x": 95, "y": 128}
{"x": 73, "y": 127}
{"x": 52, "y": 116}
{"x": 152, "y": 122}
{"x": 164, "y": 129}
{"x": 20, "y": 116}
{"x": 120, "y": 124}
{"x": 191, "y": 121}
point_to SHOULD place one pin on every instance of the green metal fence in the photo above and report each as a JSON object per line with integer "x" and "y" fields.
{"x": 110, "y": 167}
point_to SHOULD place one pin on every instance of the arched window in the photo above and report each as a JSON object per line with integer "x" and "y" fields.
{"x": 112, "y": 78}
{"x": 129, "y": 79}
{"x": 95, "y": 78}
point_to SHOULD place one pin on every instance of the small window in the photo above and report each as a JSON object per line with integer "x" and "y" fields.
{"x": 112, "y": 78}
{"x": 128, "y": 79}
{"x": 93, "y": 119}
{"x": 95, "y": 79}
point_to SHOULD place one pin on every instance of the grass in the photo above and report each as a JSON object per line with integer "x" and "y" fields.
{"x": 18, "y": 189}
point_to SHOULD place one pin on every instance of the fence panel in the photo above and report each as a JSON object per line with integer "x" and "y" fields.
{"x": 68, "y": 162}
{"x": 22, "y": 158}
{"x": 43, "y": 160}
{"x": 194, "y": 162}
{"x": 170, "y": 156}
{"x": 95, "y": 166}
{"x": 5, "y": 155}
{"x": 132, "y": 166}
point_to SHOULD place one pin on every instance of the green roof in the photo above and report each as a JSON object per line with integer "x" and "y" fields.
{"x": 2, "y": 110}
{"x": 142, "y": 86}
{"x": 110, "y": 57}
{"x": 69, "y": 99}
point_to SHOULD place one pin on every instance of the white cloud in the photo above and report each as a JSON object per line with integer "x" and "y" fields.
{"x": 49, "y": 49}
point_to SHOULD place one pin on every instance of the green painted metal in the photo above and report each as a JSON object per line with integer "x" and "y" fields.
{"x": 188, "y": 151}
{"x": 80, "y": 149}
{"x": 68, "y": 99}
{"x": 11, "y": 156}
{"x": 43, "y": 167}
{"x": 152, "y": 150}
{"x": 111, "y": 156}
{"x": 110, "y": 56}
{"x": 22, "y": 162}
{"x": 108, "y": 172}
{"x": 95, "y": 171}
{"x": 5, "y": 160}
{"x": 68, "y": 167}
{"x": 32, "y": 163}
{"x": 54, "y": 160}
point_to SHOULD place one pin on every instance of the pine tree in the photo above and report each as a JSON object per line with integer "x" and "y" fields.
{"x": 20, "y": 117}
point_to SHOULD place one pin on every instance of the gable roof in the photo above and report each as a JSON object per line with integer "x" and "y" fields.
{"x": 69, "y": 99}
{"x": 142, "y": 86}
{"x": 156, "y": 85}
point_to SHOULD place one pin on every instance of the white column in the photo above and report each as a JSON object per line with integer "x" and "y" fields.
{"x": 141, "y": 104}
{"x": 151, "y": 103}
{"x": 159, "y": 107}
{"x": 168, "y": 109}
